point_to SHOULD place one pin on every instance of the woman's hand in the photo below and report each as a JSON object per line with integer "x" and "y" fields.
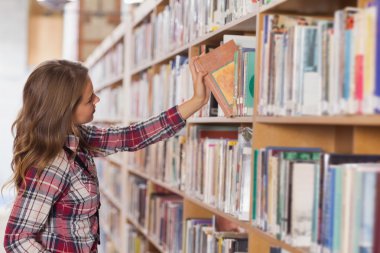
{"x": 201, "y": 91}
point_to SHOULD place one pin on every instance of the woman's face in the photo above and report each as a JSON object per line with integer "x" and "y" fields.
{"x": 85, "y": 110}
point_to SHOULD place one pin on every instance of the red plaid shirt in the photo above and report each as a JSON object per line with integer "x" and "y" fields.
{"x": 57, "y": 211}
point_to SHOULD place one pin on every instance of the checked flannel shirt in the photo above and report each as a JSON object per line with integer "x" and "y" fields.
{"x": 57, "y": 212}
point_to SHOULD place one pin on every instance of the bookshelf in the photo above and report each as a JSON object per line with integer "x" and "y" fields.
{"x": 354, "y": 134}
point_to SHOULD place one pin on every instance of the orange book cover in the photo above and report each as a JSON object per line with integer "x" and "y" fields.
{"x": 219, "y": 65}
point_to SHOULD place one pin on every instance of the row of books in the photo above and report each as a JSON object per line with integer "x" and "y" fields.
{"x": 108, "y": 177}
{"x": 165, "y": 160}
{"x": 202, "y": 236}
{"x": 110, "y": 66}
{"x": 328, "y": 202}
{"x": 154, "y": 92}
{"x": 181, "y": 22}
{"x": 213, "y": 165}
{"x": 165, "y": 221}
{"x": 314, "y": 66}
{"x": 136, "y": 243}
{"x": 137, "y": 199}
{"x": 218, "y": 167}
{"x": 111, "y": 107}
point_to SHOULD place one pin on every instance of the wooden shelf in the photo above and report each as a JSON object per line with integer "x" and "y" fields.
{"x": 168, "y": 187}
{"x": 145, "y": 234}
{"x": 111, "y": 83}
{"x": 114, "y": 201}
{"x": 138, "y": 226}
{"x": 246, "y": 23}
{"x": 306, "y": 7}
{"x": 157, "y": 182}
{"x": 220, "y": 120}
{"x": 243, "y": 224}
{"x": 355, "y": 120}
{"x": 139, "y": 173}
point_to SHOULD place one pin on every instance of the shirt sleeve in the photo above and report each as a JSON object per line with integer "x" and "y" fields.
{"x": 32, "y": 206}
{"x": 107, "y": 141}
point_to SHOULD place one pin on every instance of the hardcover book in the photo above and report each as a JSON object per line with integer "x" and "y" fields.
{"x": 219, "y": 65}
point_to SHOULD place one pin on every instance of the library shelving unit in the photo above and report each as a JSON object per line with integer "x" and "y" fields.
{"x": 192, "y": 207}
{"x": 338, "y": 134}
{"x": 354, "y": 134}
{"x": 107, "y": 71}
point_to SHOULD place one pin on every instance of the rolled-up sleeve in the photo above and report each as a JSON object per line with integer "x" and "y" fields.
{"x": 107, "y": 141}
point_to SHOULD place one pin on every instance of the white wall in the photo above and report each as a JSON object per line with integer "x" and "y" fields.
{"x": 13, "y": 72}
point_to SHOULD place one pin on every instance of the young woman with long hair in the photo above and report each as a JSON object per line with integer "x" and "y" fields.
{"x": 56, "y": 208}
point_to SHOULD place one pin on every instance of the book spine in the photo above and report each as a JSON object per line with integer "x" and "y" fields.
{"x": 368, "y": 215}
{"x": 376, "y": 246}
{"x": 377, "y": 82}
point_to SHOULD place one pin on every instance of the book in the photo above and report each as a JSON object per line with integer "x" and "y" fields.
{"x": 377, "y": 77}
{"x": 137, "y": 189}
{"x": 376, "y": 246}
{"x": 241, "y": 40}
{"x": 136, "y": 243}
{"x": 219, "y": 65}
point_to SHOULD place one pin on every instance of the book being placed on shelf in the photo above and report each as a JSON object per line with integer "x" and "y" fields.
{"x": 219, "y": 65}
{"x": 244, "y": 74}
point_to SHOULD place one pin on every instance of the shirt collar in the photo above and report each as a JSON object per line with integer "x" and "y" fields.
{"x": 72, "y": 142}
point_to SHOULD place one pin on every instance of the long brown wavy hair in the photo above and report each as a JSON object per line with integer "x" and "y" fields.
{"x": 51, "y": 94}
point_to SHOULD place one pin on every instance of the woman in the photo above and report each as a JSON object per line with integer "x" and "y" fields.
{"x": 56, "y": 208}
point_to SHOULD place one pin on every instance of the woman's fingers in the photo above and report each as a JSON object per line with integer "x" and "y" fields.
{"x": 192, "y": 67}
{"x": 200, "y": 76}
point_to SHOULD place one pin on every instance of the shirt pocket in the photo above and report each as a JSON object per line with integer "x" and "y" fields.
{"x": 84, "y": 192}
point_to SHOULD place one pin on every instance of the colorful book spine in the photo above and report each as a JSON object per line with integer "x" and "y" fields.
{"x": 377, "y": 85}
